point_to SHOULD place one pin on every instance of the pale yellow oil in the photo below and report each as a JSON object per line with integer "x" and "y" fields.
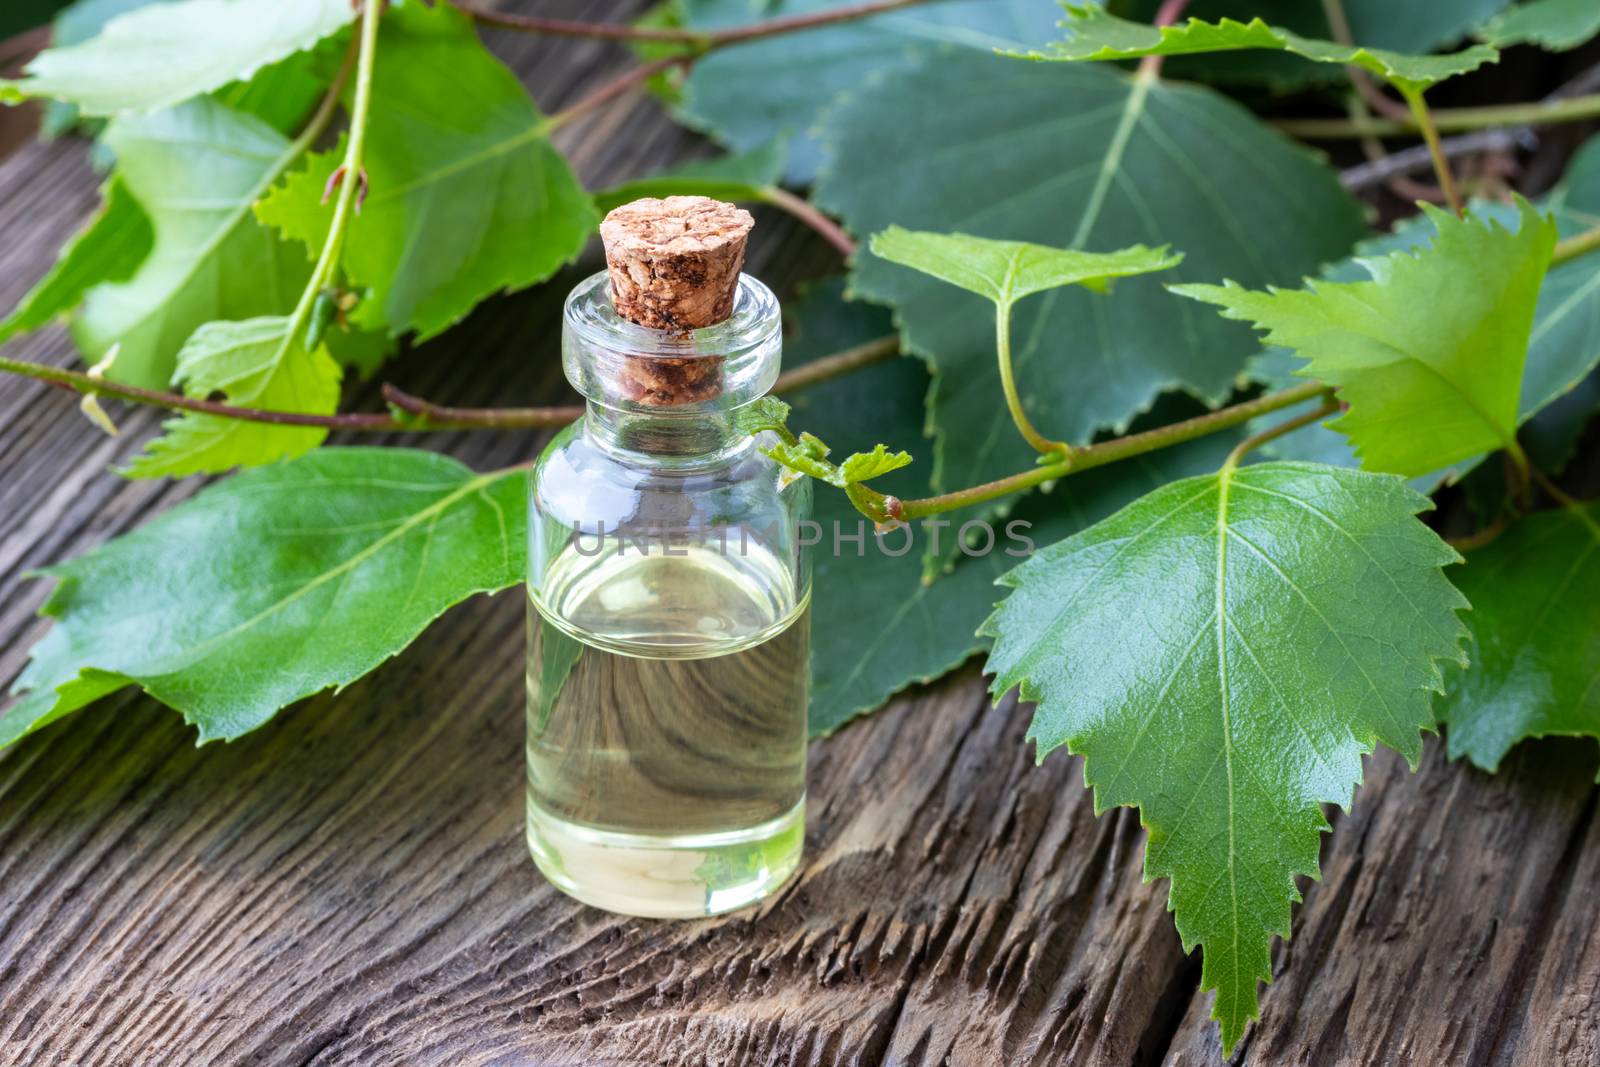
{"x": 667, "y": 727}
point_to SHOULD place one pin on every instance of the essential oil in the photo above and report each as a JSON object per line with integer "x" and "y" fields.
{"x": 668, "y": 611}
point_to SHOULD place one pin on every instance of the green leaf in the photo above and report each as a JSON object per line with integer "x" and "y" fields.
{"x": 1079, "y": 157}
{"x": 273, "y": 585}
{"x": 764, "y": 413}
{"x": 1563, "y": 350}
{"x": 876, "y": 625}
{"x": 864, "y": 466}
{"x": 286, "y": 94}
{"x": 807, "y": 456}
{"x": 258, "y": 363}
{"x": 746, "y": 95}
{"x": 75, "y": 24}
{"x": 1425, "y": 390}
{"x": 748, "y": 176}
{"x": 1007, "y": 271}
{"x": 163, "y": 54}
{"x": 1222, "y": 652}
{"x": 1554, "y": 25}
{"x": 195, "y": 170}
{"x": 1415, "y": 28}
{"x": 467, "y": 195}
{"x": 109, "y": 249}
{"x": 1094, "y": 34}
{"x": 1534, "y": 637}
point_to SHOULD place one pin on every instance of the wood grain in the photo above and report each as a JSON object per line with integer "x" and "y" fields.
{"x": 349, "y": 884}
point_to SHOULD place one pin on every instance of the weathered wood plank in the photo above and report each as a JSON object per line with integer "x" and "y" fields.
{"x": 349, "y": 885}
{"x": 1439, "y": 900}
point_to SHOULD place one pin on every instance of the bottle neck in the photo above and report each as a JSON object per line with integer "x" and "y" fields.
{"x": 683, "y": 439}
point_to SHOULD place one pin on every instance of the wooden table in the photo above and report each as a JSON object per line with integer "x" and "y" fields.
{"x": 350, "y": 884}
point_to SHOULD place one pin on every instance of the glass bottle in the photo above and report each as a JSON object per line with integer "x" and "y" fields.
{"x": 668, "y": 621}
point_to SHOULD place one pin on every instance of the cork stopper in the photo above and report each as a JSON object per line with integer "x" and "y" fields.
{"x": 674, "y": 265}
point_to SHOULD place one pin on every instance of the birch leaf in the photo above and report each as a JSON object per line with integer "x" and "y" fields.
{"x": 163, "y": 54}
{"x": 273, "y": 585}
{"x": 1425, "y": 390}
{"x": 1534, "y": 637}
{"x": 1007, "y": 271}
{"x": 1076, "y": 157}
{"x": 748, "y": 94}
{"x": 468, "y": 196}
{"x": 1222, "y": 652}
{"x": 194, "y": 170}
{"x": 1095, "y": 34}
{"x": 1554, "y": 25}
{"x": 258, "y": 363}
{"x": 109, "y": 249}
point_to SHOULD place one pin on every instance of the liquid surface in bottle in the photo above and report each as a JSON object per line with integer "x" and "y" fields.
{"x": 667, "y": 725}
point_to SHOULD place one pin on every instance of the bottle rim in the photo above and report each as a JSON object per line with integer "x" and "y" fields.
{"x": 591, "y": 315}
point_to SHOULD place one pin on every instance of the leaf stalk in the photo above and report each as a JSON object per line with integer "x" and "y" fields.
{"x": 1430, "y": 136}
{"x": 1328, "y": 406}
{"x": 1096, "y": 455}
{"x": 1002, "y": 344}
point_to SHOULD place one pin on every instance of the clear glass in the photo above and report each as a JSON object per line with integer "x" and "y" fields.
{"x": 668, "y": 626}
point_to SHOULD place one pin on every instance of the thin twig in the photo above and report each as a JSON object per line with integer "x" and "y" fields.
{"x": 1450, "y": 120}
{"x": 1386, "y": 167}
{"x": 1579, "y": 244}
{"x": 427, "y": 415}
{"x": 1578, "y": 508}
{"x": 1474, "y": 541}
{"x": 1168, "y": 13}
{"x": 1381, "y": 168}
{"x": 703, "y": 40}
{"x": 1366, "y": 90}
{"x": 838, "y": 364}
{"x": 806, "y": 212}
{"x": 423, "y": 415}
{"x": 614, "y": 88}
{"x": 79, "y": 382}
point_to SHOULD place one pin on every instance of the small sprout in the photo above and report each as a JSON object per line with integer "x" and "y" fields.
{"x": 337, "y": 178}
{"x": 89, "y": 404}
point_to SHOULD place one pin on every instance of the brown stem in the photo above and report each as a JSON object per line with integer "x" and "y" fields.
{"x": 1366, "y": 89}
{"x": 838, "y": 364}
{"x": 431, "y": 416}
{"x": 423, "y": 415}
{"x": 1168, "y": 13}
{"x": 702, "y": 40}
{"x": 806, "y": 212}
{"x": 79, "y": 382}
{"x": 622, "y": 83}
{"x": 1474, "y": 541}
